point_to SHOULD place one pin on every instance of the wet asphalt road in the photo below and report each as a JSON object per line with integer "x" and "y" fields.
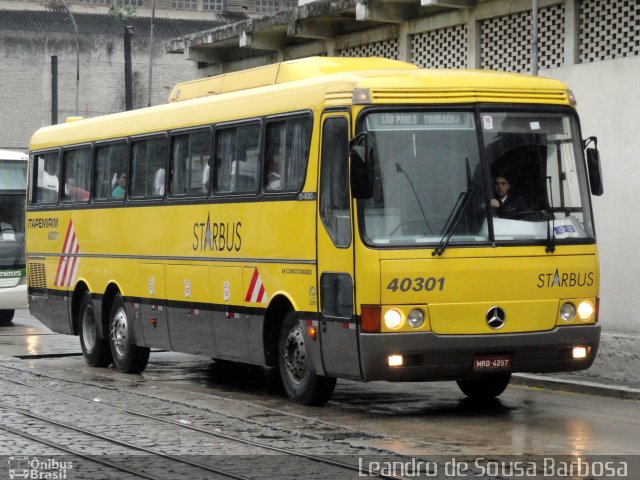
{"x": 410, "y": 419}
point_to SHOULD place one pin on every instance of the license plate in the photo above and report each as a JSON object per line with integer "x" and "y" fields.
{"x": 491, "y": 362}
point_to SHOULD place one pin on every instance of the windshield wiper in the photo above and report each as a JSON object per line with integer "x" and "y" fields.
{"x": 455, "y": 215}
{"x": 551, "y": 226}
{"x": 399, "y": 169}
{"x": 16, "y": 262}
{"x": 452, "y": 222}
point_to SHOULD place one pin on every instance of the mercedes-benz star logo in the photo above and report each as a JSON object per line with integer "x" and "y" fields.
{"x": 496, "y": 317}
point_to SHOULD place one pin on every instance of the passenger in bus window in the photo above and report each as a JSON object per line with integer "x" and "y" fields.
{"x": 119, "y": 187}
{"x": 506, "y": 204}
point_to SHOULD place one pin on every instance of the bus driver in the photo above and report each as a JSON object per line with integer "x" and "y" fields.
{"x": 505, "y": 203}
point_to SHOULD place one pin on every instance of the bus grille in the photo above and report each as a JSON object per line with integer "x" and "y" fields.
{"x": 37, "y": 275}
{"x": 469, "y": 95}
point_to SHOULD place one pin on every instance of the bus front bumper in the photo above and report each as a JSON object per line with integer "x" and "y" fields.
{"x": 428, "y": 356}
{"x": 13, "y": 297}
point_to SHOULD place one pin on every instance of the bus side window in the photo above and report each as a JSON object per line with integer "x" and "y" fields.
{"x": 334, "y": 181}
{"x": 286, "y": 153}
{"x": 45, "y": 179}
{"x": 110, "y": 162}
{"x": 76, "y": 168}
{"x": 236, "y": 159}
{"x": 189, "y": 159}
{"x": 147, "y": 171}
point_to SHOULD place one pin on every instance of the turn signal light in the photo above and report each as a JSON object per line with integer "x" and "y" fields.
{"x": 370, "y": 319}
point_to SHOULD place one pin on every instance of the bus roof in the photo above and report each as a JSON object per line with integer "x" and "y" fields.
{"x": 13, "y": 155}
{"x": 307, "y": 84}
{"x": 277, "y": 73}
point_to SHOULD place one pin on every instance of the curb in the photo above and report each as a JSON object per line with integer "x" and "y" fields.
{"x": 577, "y": 385}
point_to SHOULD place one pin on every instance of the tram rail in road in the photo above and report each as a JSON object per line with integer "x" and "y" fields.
{"x": 23, "y": 422}
{"x": 387, "y": 420}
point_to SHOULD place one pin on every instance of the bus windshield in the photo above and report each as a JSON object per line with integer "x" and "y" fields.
{"x": 13, "y": 176}
{"x": 433, "y": 178}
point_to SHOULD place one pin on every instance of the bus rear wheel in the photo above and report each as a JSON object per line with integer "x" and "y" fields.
{"x": 127, "y": 357}
{"x": 95, "y": 348}
{"x": 6, "y": 316}
{"x": 485, "y": 388}
{"x": 302, "y": 384}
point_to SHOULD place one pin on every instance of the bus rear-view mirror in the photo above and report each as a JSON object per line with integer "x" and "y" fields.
{"x": 361, "y": 170}
{"x": 595, "y": 172}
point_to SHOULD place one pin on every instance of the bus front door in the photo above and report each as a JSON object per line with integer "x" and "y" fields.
{"x": 338, "y": 329}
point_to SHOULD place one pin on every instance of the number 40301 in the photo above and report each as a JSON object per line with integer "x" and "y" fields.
{"x": 417, "y": 284}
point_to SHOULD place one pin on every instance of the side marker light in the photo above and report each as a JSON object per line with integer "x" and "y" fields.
{"x": 312, "y": 333}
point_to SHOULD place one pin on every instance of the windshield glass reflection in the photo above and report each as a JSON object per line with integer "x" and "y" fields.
{"x": 531, "y": 186}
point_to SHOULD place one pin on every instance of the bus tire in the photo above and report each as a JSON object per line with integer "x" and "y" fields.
{"x": 485, "y": 388}
{"x": 301, "y": 383}
{"x": 95, "y": 349}
{"x": 127, "y": 357}
{"x": 6, "y": 316}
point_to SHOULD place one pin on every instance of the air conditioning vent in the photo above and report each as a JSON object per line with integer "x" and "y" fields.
{"x": 37, "y": 275}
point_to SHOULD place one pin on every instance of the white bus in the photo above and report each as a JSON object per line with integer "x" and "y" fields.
{"x": 13, "y": 281}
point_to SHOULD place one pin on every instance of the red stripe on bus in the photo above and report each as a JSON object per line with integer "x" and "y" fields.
{"x": 261, "y": 294}
{"x": 74, "y": 261}
{"x": 67, "y": 263}
{"x": 61, "y": 261}
{"x": 252, "y": 285}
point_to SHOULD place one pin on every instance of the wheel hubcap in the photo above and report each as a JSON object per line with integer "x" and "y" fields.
{"x": 89, "y": 329}
{"x": 120, "y": 332}
{"x": 295, "y": 355}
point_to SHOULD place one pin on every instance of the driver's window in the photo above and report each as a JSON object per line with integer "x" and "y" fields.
{"x": 334, "y": 181}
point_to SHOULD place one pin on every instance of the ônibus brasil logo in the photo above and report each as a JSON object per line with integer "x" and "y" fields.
{"x": 21, "y": 466}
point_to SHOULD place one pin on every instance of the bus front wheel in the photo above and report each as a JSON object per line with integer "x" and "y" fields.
{"x": 6, "y": 316}
{"x": 95, "y": 349}
{"x": 127, "y": 357}
{"x": 302, "y": 384}
{"x": 485, "y": 388}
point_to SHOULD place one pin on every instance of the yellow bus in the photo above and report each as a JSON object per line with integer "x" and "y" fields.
{"x": 329, "y": 217}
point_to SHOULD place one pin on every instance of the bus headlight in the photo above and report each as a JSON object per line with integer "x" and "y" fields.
{"x": 568, "y": 312}
{"x": 415, "y": 318}
{"x": 392, "y": 318}
{"x": 585, "y": 310}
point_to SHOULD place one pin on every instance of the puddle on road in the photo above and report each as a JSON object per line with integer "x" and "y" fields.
{"x": 28, "y": 337}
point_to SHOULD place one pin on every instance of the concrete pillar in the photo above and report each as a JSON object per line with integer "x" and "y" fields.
{"x": 330, "y": 47}
{"x": 474, "y": 45}
{"x": 404, "y": 43}
{"x": 572, "y": 32}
